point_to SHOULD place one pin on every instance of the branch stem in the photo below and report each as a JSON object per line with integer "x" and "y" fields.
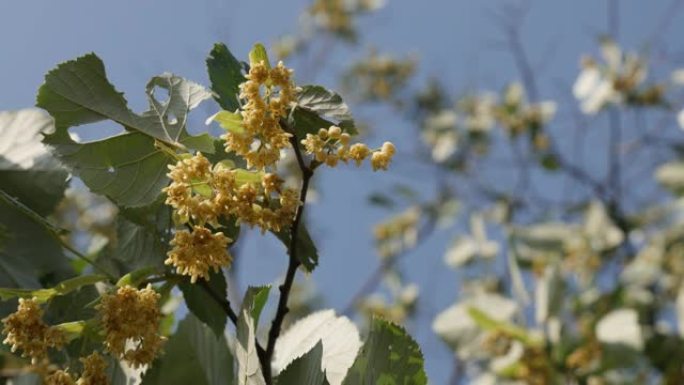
{"x": 294, "y": 262}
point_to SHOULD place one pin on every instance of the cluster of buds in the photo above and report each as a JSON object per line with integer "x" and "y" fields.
{"x": 130, "y": 319}
{"x": 330, "y": 146}
{"x": 25, "y": 330}
{"x": 262, "y": 137}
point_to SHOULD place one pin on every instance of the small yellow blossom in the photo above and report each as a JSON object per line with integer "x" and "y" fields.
{"x": 359, "y": 152}
{"x": 94, "y": 370}
{"x": 26, "y": 330}
{"x": 196, "y": 253}
{"x": 131, "y": 316}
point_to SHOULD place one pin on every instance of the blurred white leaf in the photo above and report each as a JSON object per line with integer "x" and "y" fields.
{"x": 600, "y": 230}
{"x": 20, "y": 139}
{"x": 457, "y": 328}
{"x": 671, "y": 175}
{"x": 621, "y": 327}
{"x": 548, "y": 293}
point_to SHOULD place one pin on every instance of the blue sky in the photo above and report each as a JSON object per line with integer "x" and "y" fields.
{"x": 456, "y": 39}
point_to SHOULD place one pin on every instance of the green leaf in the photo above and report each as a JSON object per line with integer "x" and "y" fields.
{"x": 193, "y": 355}
{"x": 128, "y": 168}
{"x": 137, "y": 277}
{"x": 225, "y": 73}
{"x": 306, "y": 122}
{"x": 485, "y": 322}
{"x": 249, "y": 369}
{"x": 306, "y": 249}
{"x": 259, "y": 54}
{"x": 318, "y": 107}
{"x": 31, "y": 257}
{"x": 63, "y": 288}
{"x": 389, "y": 356}
{"x": 326, "y": 104}
{"x": 229, "y": 121}
{"x": 305, "y": 370}
{"x": 77, "y": 92}
{"x": 143, "y": 236}
{"x": 203, "y": 305}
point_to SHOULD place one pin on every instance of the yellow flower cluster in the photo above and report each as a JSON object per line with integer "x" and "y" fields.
{"x": 26, "y": 330}
{"x": 94, "y": 373}
{"x": 263, "y": 137}
{"x": 94, "y": 370}
{"x": 131, "y": 316}
{"x": 188, "y": 176}
{"x": 195, "y": 253}
{"x": 332, "y": 145}
{"x": 59, "y": 377}
{"x": 204, "y": 193}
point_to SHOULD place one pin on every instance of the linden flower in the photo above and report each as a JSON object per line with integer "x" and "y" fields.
{"x": 263, "y": 137}
{"x": 94, "y": 370}
{"x": 131, "y": 316}
{"x": 59, "y": 377}
{"x": 26, "y": 330}
{"x": 185, "y": 174}
{"x": 195, "y": 253}
{"x": 332, "y": 146}
{"x": 358, "y": 152}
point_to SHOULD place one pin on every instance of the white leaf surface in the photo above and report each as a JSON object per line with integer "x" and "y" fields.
{"x": 340, "y": 338}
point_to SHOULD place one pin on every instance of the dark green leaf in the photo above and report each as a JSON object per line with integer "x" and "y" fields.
{"x": 143, "y": 236}
{"x": 30, "y": 257}
{"x": 203, "y": 305}
{"x": 306, "y": 122}
{"x": 326, "y": 104}
{"x": 389, "y": 356}
{"x": 306, "y": 249}
{"x": 225, "y": 73}
{"x": 305, "y": 370}
{"x": 193, "y": 355}
{"x": 126, "y": 168}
